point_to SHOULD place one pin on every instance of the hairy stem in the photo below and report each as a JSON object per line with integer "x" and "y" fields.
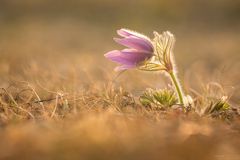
{"x": 177, "y": 86}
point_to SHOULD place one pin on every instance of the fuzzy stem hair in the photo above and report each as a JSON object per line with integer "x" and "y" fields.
{"x": 177, "y": 86}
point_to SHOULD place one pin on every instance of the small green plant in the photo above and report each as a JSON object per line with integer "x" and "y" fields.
{"x": 163, "y": 99}
{"x": 218, "y": 105}
{"x": 214, "y": 107}
{"x": 220, "y": 109}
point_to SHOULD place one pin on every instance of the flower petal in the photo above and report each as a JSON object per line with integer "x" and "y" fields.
{"x": 127, "y": 56}
{"x": 126, "y": 33}
{"x": 136, "y": 43}
{"x": 117, "y": 56}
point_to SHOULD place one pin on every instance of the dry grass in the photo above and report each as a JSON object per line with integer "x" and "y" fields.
{"x": 71, "y": 109}
{"x": 59, "y": 98}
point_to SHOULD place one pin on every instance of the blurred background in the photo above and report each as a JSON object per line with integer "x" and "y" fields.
{"x": 35, "y": 34}
{"x": 51, "y": 51}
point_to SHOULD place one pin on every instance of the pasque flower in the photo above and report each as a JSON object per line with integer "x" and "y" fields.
{"x": 148, "y": 55}
{"x": 140, "y": 49}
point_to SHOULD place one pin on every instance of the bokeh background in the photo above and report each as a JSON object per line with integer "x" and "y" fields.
{"x": 60, "y": 32}
{"x": 52, "y": 50}
{"x": 74, "y": 35}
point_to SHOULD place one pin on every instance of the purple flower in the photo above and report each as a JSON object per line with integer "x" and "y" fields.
{"x": 139, "y": 49}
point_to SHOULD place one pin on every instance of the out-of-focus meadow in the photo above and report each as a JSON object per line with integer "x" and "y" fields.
{"x": 60, "y": 99}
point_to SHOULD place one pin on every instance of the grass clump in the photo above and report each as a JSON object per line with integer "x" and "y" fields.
{"x": 214, "y": 103}
{"x": 163, "y": 98}
{"x": 218, "y": 108}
